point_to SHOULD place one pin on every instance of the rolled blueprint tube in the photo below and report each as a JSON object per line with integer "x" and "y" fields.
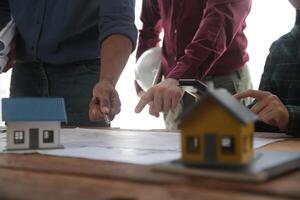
{"x": 6, "y": 36}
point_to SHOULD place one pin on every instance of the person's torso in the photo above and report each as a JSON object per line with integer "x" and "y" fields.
{"x": 56, "y": 31}
{"x": 283, "y": 68}
{"x": 181, "y": 20}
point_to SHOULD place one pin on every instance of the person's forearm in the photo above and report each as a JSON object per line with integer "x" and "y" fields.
{"x": 115, "y": 51}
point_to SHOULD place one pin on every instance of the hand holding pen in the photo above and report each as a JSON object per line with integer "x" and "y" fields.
{"x": 105, "y": 103}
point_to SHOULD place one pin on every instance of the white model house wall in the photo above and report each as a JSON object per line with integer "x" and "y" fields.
{"x": 26, "y": 126}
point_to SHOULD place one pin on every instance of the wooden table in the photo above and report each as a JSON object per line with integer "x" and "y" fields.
{"x": 47, "y": 177}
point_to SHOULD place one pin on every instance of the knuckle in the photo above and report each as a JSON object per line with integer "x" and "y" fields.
{"x": 144, "y": 98}
{"x": 274, "y": 97}
{"x": 168, "y": 95}
{"x": 268, "y": 93}
{"x": 270, "y": 98}
{"x": 178, "y": 95}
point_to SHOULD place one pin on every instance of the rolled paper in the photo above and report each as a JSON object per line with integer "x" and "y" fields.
{"x": 6, "y": 36}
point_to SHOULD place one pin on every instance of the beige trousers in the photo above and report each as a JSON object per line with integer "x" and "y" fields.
{"x": 234, "y": 82}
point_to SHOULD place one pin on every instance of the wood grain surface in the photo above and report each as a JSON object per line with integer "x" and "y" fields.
{"x": 48, "y": 177}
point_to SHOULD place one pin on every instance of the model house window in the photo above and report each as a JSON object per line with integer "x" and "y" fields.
{"x": 48, "y": 136}
{"x": 19, "y": 137}
{"x": 227, "y": 144}
{"x": 193, "y": 144}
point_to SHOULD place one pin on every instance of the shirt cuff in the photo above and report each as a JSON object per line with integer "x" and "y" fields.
{"x": 126, "y": 29}
{"x": 144, "y": 45}
{"x": 193, "y": 65}
{"x": 294, "y": 119}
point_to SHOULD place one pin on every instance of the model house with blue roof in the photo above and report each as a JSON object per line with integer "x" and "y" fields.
{"x": 33, "y": 123}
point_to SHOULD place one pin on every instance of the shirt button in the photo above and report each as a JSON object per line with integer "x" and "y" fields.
{"x": 38, "y": 22}
{"x": 32, "y": 48}
{"x": 175, "y": 31}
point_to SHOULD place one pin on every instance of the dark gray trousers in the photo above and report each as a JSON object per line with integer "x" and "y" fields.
{"x": 74, "y": 82}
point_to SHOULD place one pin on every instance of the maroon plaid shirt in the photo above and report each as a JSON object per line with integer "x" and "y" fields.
{"x": 201, "y": 37}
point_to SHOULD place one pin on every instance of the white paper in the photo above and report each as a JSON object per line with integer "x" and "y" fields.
{"x": 137, "y": 147}
{"x": 6, "y": 36}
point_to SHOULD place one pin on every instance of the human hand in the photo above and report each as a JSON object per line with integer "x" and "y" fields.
{"x": 268, "y": 107}
{"x": 105, "y": 101}
{"x": 11, "y": 57}
{"x": 161, "y": 98}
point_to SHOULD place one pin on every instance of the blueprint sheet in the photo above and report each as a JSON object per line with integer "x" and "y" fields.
{"x": 129, "y": 146}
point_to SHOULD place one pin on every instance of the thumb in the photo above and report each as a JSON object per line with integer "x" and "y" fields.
{"x": 104, "y": 99}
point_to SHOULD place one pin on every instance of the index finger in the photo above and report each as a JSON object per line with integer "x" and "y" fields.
{"x": 148, "y": 97}
{"x": 256, "y": 94}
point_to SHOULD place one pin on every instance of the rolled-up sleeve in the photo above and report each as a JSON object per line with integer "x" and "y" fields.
{"x": 222, "y": 20}
{"x": 117, "y": 17}
{"x": 152, "y": 26}
{"x": 4, "y": 13}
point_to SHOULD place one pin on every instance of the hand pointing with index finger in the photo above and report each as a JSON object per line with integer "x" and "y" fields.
{"x": 268, "y": 107}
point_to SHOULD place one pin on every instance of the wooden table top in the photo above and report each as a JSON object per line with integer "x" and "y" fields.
{"x": 48, "y": 177}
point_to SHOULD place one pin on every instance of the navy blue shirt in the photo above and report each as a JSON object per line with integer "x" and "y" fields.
{"x": 64, "y": 31}
{"x": 4, "y": 13}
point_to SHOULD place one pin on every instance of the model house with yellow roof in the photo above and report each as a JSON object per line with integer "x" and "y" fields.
{"x": 217, "y": 129}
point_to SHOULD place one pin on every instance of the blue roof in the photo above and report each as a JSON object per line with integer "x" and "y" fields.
{"x": 33, "y": 109}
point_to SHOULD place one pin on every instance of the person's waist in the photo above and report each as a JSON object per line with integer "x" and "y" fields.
{"x": 87, "y": 61}
{"x": 216, "y": 70}
{"x": 56, "y": 54}
{"x": 229, "y": 61}
{"x": 234, "y": 72}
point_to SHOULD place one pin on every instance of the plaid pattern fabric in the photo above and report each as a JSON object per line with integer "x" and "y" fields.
{"x": 281, "y": 76}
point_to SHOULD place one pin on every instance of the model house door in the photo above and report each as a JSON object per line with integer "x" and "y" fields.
{"x": 34, "y": 138}
{"x": 210, "y": 151}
